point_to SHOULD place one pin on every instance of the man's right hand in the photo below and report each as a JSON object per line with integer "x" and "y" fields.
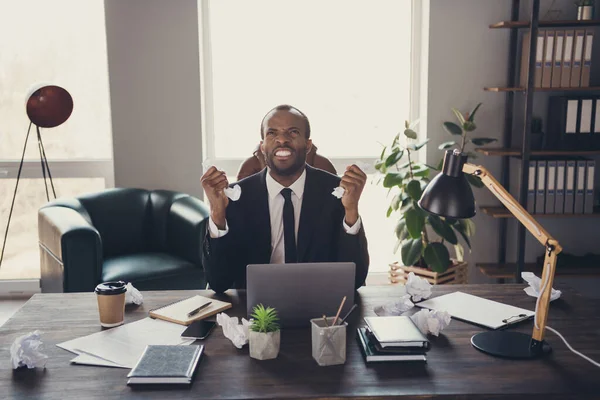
{"x": 214, "y": 182}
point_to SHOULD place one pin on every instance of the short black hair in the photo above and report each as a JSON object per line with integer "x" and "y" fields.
{"x": 285, "y": 107}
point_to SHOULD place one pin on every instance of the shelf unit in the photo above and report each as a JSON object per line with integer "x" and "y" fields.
{"x": 506, "y": 271}
{"x": 523, "y": 152}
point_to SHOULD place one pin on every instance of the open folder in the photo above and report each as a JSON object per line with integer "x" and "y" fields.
{"x": 477, "y": 310}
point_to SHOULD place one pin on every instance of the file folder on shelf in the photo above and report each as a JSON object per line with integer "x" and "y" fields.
{"x": 567, "y": 59}
{"x": 531, "y": 187}
{"x": 548, "y": 59}
{"x": 559, "y": 193}
{"x": 550, "y": 187}
{"x": 587, "y": 59}
{"x": 570, "y": 187}
{"x": 540, "y": 187}
{"x": 557, "y": 59}
{"x": 577, "y": 58}
{"x": 589, "y": 187}
{"x": 580, "y": 187}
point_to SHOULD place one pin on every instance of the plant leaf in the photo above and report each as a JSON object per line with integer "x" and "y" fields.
{"x": 406, "y": 124}
{"x": 401, "y": 231}
{"x": 452, "y": 128}
{"x": 392, "y": 179}
{"x": 447, "y": 145}
{"x": 473, "y": 111}
{"x": 469, "y": 126}
{"x": 459, "y": 116}
{"x": 397, "y": 245}
{"x": 382, "y": 152}
{"x": 414, "y": 189}
{"x": 389, "y": 211}
{"x": 482, "y": 141}
{"x": 465, "y": 227}
{"x": 442, "y": 228}
{"x": 437, "y": 257}
{"x": 475, "y": 181}
{"x": 394, "y": 158}
{"x": 414, "y": 223}
{"x": 411, "y": 251}
{"x": 409, "y": 133}
{"x": 460, "y": 252}
{"x": 396, "y": 202}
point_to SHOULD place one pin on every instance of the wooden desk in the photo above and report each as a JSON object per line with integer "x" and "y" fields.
{"x": 454, "y": 367}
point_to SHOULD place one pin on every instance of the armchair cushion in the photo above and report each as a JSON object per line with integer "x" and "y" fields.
{"x": 153, "y": 271}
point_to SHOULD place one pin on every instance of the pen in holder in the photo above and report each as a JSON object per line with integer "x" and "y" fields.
{"x": 328, "y": 341}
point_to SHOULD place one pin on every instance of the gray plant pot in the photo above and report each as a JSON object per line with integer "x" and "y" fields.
{"x": 585, "y": 13}
{"x": 264, "y": 346}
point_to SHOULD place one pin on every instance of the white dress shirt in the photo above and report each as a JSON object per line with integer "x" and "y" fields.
{"x": 276, "y": 202}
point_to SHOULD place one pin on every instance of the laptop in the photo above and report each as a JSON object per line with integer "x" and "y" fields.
{"x": 301, "y": 292}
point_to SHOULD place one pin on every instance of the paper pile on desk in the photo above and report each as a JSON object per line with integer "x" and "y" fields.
{"x": 122, "y": 346}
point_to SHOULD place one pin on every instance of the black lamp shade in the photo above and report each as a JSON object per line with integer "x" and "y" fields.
{"x": 449, "y": 194}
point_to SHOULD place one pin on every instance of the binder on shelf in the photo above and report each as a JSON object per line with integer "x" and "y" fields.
{"x": 597, "y": 116}
{"x": 531, "y": 187}
{"x": 572, "y": 114}
{"x": 587, "y": 59}
{"x": 585, "y": 113}
{"x": 539, "y": 58}
{"x": 557, "y": 59}
{"x": 559, "y": 193}
{"x": 570, "y": 187}
{"x": 588, "y": 207}
{"x": 565, "y": 77}
{"x": 577, "y": 58}
{"x": 550, "y": 187}
{"x": 540, "y": 187}
{"x": 580, "y": 187}
{"x": 548, "y": 59}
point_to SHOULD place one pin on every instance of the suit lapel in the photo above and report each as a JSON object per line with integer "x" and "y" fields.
{"x": 309, "y": 212}
{"x": 263, "y": 218}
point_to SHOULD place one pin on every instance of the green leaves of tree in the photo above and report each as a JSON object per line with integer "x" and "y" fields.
{"x": 452, "y": 128}
{"x": 482, "y": 141}
{"x": 437, "y": 257}
{"x": 442, "y": 228}
{"x": 414, "y": 223}
{"x": 411, "y": 251}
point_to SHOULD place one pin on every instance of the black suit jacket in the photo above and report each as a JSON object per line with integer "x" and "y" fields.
{"x": 321, "y": 235}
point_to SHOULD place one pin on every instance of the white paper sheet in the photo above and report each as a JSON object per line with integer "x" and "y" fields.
{"x": 125, "y": 344}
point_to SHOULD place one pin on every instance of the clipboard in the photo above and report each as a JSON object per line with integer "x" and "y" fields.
{"x": 477, "y": 310}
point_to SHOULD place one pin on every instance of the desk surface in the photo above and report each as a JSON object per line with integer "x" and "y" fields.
{"x": 453, "y": 367}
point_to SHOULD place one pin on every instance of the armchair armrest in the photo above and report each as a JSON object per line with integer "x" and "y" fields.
{"x": 70, "y": 251}
{"x": 186, "y": 228}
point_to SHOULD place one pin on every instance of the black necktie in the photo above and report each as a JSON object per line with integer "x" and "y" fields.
{"x": 289, "y": 234}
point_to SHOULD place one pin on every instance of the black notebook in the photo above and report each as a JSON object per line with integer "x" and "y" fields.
{"x": 166, "y": 364}
{"x": 371, "y": 353}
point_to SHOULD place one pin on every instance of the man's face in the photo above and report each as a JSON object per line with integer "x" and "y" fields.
{"x": 284, "y": 144}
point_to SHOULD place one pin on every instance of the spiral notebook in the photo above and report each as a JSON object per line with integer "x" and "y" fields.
{"x": 177, "y": 312}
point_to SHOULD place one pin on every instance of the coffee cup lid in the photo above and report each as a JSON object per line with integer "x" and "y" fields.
{"x": 108, "y": 288}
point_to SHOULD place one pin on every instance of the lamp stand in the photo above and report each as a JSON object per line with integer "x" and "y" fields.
{"x": 510, "y": 344}
{"x": 45, "y": 168}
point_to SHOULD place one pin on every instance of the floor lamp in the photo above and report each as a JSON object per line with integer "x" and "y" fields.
{"x": 47, "y": 107}
{"x": 449, "y": 195}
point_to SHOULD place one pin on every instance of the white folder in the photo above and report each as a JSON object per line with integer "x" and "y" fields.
{"x": 477, "y": 310}
{"x": 585, "y": 125}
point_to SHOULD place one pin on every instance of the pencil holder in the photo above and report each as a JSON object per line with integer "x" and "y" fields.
{"x": 328, "y": 342}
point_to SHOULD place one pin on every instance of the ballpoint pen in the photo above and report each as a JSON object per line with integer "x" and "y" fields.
{"x": 197, "y": 310}
{"x": 348, "y": 314}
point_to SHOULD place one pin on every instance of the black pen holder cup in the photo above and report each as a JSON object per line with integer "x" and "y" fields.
{"x": 328, "y": 342}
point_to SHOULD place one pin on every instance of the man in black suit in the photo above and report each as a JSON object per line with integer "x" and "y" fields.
{"x": 286, "y": 212}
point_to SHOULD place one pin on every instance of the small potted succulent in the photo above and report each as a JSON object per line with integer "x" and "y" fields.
{"x": 265, "y": 335}
{"x": 585, "y": 9}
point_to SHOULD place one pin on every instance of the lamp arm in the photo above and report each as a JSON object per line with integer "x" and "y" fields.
{"x": 551, "y": 244}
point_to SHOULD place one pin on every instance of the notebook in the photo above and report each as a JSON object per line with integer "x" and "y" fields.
{"x": 396, "y": 331}
{"x": 177, "y": 312}
{"x": 371, "y": 353}
{"x": 166, "y": 364}
{"x": 477, "y": 310}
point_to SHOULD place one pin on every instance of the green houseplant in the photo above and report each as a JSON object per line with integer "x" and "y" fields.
{"x": 422, "y": 237}
{"x": 265, "y": 335}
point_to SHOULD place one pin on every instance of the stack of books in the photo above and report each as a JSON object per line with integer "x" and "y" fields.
{"x": 395, "y": 338}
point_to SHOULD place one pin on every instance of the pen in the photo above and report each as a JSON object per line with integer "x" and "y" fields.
{"x": 348, "y": 314}
{"x": 197, "y": 310}
{"x": 339, "y": 311}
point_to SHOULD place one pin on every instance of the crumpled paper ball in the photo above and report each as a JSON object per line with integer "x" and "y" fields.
{"x": 418, "y": 288}
{"x": 233, "y": 193}
{"x": 431, "y": 321}
{"x": 534, "y": 287}
{"x": 338, "y": 192}
{"x": 233, "y": 330}
{"x": 395, "y": 307}
{"x": 132, "y": 295}
{"x": 26, "y": 351}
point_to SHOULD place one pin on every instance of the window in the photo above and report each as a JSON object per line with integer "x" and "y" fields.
{"x": 60, "y": 42}
{"x": 345, "y": 63}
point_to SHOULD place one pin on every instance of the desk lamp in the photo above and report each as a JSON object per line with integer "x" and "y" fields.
{"x": 47, "y": 106}
{"x": 449, "y": 195}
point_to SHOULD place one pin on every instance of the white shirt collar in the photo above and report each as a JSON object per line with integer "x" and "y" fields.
{"x": 274, "y": 187}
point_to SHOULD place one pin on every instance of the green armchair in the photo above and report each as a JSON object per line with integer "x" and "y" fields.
{"x": 152, "y": 239}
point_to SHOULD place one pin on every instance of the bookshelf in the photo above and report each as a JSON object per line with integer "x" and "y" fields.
{"x": 507, "y": 271}
{"x": 515, "y": 86}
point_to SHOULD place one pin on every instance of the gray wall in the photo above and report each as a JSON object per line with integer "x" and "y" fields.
{"x": 153, "y": 62}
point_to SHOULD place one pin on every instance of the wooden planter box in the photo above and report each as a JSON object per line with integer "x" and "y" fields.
{"x": 456, "y": 274}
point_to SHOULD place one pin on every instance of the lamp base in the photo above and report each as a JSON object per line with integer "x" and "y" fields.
{"x": 508, "y": 344}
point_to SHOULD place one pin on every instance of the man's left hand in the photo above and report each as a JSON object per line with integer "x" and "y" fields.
{"x": 353, "y": 182}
